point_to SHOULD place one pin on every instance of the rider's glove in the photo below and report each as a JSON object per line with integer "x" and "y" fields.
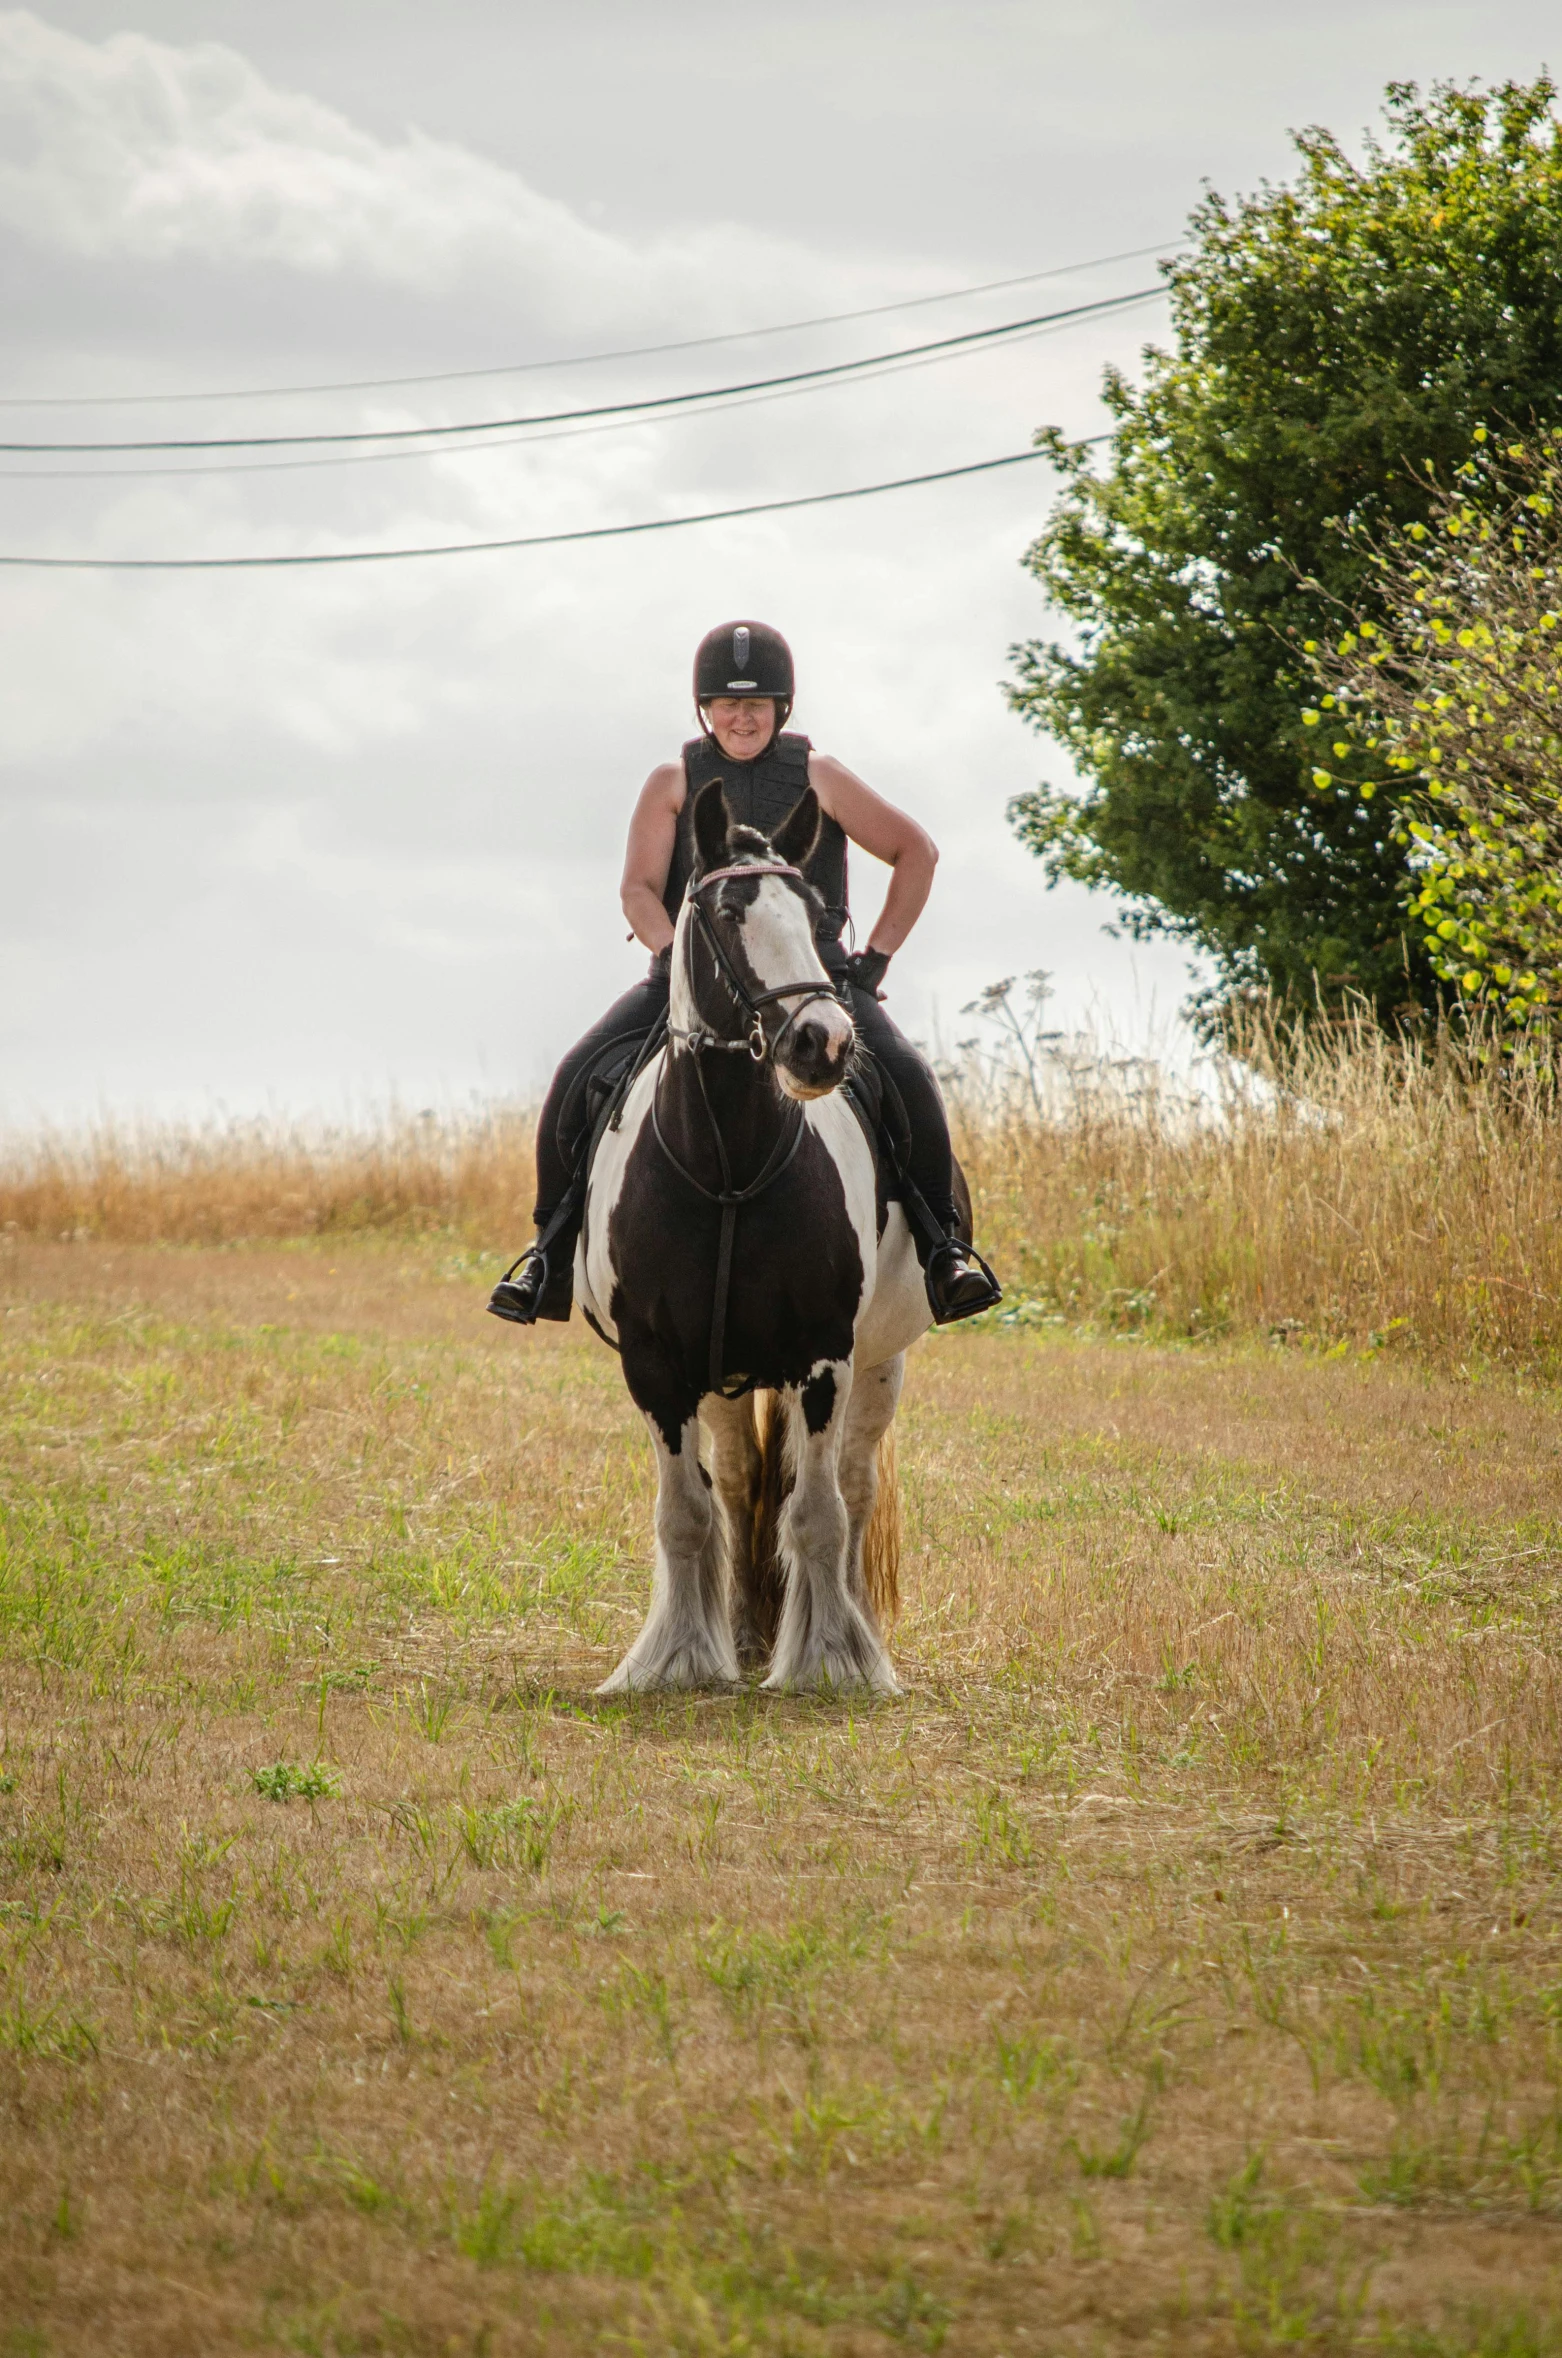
{"x": 866, "y": 969}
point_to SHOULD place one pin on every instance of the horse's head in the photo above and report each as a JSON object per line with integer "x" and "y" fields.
{"x": 746, "y": 957}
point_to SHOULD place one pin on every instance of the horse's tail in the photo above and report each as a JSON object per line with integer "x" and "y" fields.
{"x": 772, "y": 1488}
{"x": 881, "y": 1542}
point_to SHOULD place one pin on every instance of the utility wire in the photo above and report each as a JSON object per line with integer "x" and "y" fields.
{"x": 534, "y": 540}
{"x": 523, "y": 368}
{"x": 221, "y": 469}
{"x": 660, "y": 402}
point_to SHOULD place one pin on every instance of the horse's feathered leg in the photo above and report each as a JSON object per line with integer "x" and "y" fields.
{"x": 687, "y": 1638}
{"x": 827, "y": 1636}
{"x": 870, "y": 1412}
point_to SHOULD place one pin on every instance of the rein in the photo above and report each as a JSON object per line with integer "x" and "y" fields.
{"x": 762, "y": 1048}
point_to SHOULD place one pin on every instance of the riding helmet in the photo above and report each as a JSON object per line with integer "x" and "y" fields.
{"x": 745, "y": 659}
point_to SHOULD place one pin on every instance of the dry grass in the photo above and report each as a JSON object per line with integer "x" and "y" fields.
{"x": 245, "y": 1181}
{"x": 1179, "y": 1966}
{"x": 1347, "y": 1190}
{"x": 1336, "y": 1189}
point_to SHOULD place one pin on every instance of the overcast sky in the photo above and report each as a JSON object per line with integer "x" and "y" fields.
{"x": 305, "y": 840}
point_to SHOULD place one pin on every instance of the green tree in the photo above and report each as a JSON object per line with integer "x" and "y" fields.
{"x": 1331, "y": 337}
{"x": 1447, "y": 699}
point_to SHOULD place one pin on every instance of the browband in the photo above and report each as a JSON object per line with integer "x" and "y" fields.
{"x": 749, "y": 868}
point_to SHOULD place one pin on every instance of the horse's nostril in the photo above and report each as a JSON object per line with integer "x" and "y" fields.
{"x": 815, "y": 1051}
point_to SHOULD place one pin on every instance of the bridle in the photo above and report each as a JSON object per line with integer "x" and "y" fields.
{"x": 761, "y": 1046}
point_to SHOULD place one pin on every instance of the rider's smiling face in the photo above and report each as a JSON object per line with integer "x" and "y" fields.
{"x": 742, "y": 725}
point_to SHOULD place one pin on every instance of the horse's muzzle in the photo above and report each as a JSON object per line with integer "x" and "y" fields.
{"x": 816, "y": 1055}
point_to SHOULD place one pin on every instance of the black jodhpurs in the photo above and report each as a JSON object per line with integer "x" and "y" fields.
{"x": 629, "y": 1018}
{"x": 632, "y": 1016}
{"x": 931, "y": 1162}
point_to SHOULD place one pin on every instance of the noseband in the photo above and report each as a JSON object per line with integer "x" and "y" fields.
{"x": 759, "y": 1043}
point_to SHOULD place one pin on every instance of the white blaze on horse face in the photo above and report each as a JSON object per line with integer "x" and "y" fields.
{"x": 778, "y": 941}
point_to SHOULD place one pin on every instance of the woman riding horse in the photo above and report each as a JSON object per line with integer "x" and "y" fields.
{"x": 743, "y": 693}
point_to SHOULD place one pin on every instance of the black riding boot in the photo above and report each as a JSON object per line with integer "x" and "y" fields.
{"x": 959, "y": 1282}
{"x": 541, "y": 1284}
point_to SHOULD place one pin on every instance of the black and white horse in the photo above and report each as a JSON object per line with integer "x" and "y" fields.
{"x": 739, "y": 1251}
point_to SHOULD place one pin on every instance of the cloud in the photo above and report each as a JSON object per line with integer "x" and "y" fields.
{"x": 142, "y": 149}
{"x": 134, "y": 148}
{"x": 288, "y": 832}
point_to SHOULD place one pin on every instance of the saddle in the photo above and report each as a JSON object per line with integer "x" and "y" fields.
{"x": 595, "y": 1103}
{"x": 592, "y": 1104}
{"x": 597, "y": 1096}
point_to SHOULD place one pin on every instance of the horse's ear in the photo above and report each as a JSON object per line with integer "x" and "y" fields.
{"x": 711, "y": 822}
{"x": 798, "y": 832}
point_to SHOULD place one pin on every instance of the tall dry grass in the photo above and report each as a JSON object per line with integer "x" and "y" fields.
{"x": 468, "y": 1173}
{"x": 1348, "y": 1188}
{"x": 1345, "y": 1187}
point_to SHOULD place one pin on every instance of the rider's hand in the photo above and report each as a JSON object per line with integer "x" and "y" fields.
{"x": 865, "y": 971}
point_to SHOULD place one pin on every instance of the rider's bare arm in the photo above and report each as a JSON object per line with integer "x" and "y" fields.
{"x": 890, "y": 835}
{"x": 871, "y": 822}
{"x": 653, "y": 832}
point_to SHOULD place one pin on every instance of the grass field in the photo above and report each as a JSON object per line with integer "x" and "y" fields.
{"x": 1176, "y": 1966}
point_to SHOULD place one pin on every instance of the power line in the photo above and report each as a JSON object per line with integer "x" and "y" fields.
{"x": 723, "y": 405}
{"x": 660, "y": 402}
{"x": 523, "y": 368}
{"x": 535, "y": 540}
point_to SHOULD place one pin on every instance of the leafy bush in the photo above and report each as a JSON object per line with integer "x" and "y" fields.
{"x": 1447, "y": 699}
{"x": 1331, "y": 335}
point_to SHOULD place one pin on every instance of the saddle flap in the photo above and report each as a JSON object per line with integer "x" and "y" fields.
{"x": 880, "y": 1108}
{"x": 597, "y": 1096}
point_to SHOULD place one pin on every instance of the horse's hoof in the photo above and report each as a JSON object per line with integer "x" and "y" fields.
{"x": 832, "y": 1675}
{"x": 680, "y": 1674}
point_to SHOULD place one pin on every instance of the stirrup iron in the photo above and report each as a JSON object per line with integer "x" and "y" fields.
{"x": 959, "y": 1282}
{"x": 540, "y": 1291}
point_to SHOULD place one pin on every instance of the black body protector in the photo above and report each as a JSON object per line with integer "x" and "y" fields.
{"x": 762, "y": 793}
